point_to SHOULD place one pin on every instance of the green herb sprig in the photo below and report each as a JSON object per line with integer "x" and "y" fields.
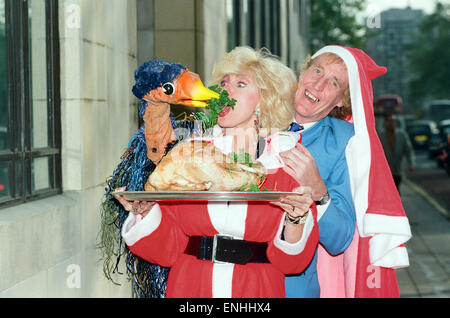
{"x": 253, "y": 188}
{"x": 242, "y": 157}
{"x": 216, "y": 105}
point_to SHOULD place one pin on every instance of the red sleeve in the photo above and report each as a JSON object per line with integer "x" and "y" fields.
{"x": 156, "y": 238}
{"x": 291, "y": 258}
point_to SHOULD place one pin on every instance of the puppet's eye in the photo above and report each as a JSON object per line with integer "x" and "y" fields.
{"x": 168, "y": 88}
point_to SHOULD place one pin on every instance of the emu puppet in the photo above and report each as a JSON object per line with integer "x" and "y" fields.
{"x": 158, "y": 84}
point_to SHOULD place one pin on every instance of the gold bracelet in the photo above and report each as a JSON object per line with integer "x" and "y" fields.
{"x": 298, "y": 220}
{"x": 292, "y": 220}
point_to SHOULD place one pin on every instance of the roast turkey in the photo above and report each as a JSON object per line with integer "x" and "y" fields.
{"x": 195, "y": 165}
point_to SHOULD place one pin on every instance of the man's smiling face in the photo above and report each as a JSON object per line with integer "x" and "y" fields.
{"x": 321, "y": 88}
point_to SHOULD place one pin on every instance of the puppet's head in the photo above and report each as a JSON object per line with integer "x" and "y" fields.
{"x": 172, "y": 83}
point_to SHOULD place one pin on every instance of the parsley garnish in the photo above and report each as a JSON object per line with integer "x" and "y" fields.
{"x": 216, "y": 105}
{"x": 252, "y": 188}
{"x": 242, "y": 157}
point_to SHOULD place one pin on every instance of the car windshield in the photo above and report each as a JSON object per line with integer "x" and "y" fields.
{"x": 388, "y": 102}
{"x": 419, "y": 130}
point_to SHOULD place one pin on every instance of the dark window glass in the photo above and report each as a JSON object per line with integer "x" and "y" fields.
{"x": 29, "y": 100}
{"x": 4, "y": 180}
{"x": 4, "y": 111}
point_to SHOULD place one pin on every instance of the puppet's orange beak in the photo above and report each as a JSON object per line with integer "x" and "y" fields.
{"x": 190, "y": 91}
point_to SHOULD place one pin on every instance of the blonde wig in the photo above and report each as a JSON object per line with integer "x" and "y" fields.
{"x": 338, "y": 112}
{"x": 276, "y": 81}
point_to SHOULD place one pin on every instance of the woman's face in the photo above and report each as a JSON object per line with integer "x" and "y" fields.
{"x": 247, "y": 96}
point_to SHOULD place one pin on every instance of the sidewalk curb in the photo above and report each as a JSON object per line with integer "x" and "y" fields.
{"x": 428, "y": 197}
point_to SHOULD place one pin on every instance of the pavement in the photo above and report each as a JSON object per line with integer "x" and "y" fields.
{"x": 428, "y": 275}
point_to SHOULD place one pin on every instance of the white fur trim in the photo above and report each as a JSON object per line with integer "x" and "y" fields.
{"x": 228, "y": 219}
{"x": 388, "y": 234}
{"x": 359, "y": 178}
{"x": 378, "y": 223}
{"x": 133, "y": 232}
{"x": 222, "y": 279}
{"x": 396, "y": 258}
{"x": 298, "y": 247}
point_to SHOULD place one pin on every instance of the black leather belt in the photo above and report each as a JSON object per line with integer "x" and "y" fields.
{"x": 222, "y": 248}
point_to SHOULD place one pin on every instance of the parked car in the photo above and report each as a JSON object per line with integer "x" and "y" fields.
{"x": 441, "y": 153}
{"x": 423, "y": 134}
{"x": 444, "y": 129}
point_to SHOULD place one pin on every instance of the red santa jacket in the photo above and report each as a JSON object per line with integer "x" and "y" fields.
{"x": 162, "y": 236}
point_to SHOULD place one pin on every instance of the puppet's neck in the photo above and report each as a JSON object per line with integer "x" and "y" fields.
{"x": 158, "y": 130}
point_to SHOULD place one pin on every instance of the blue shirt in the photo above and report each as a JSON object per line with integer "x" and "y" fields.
{"x": 326, "y": 141}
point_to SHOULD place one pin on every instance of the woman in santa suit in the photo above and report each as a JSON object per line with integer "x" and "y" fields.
{"x": 236, "y": 249}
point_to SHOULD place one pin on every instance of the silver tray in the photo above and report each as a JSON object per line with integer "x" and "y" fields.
{"x": 203, "y": 195}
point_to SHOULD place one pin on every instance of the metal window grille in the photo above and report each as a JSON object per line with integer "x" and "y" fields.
{"x": 30, "y": 129}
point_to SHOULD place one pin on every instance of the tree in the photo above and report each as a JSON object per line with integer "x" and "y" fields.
{"x": 430, "y": 57}
{"x": 334, "y": 22}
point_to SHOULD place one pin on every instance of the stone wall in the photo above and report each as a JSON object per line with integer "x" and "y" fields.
{"x": 48, "y": 246}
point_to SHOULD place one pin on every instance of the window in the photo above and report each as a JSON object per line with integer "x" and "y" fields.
{"x": 275, "y": 27}
{"x": 29, "y": 100}
{"x": 251, "y": 23}
{"x": 233, "y": 24}
{"x": 271, "y": 27}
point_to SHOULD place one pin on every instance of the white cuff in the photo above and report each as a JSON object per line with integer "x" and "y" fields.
{"x": 133, "y": 231}
{"x": 396, "y": 258}
{"x": 321, "y": 209}
{"x": 388, "y": 234}
{"x": 297, "y": 247}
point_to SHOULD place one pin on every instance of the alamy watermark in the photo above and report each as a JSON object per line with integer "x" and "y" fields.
{"x": 74, "y": 278}
{"x": 73, "y": 16}
{"x": 196, "y": 151}
{"x": 373, "y": 20}
{"x": 374, "y": 278}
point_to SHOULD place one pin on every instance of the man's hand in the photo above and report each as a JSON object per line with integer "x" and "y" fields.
{"x": 301, "y": 165}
